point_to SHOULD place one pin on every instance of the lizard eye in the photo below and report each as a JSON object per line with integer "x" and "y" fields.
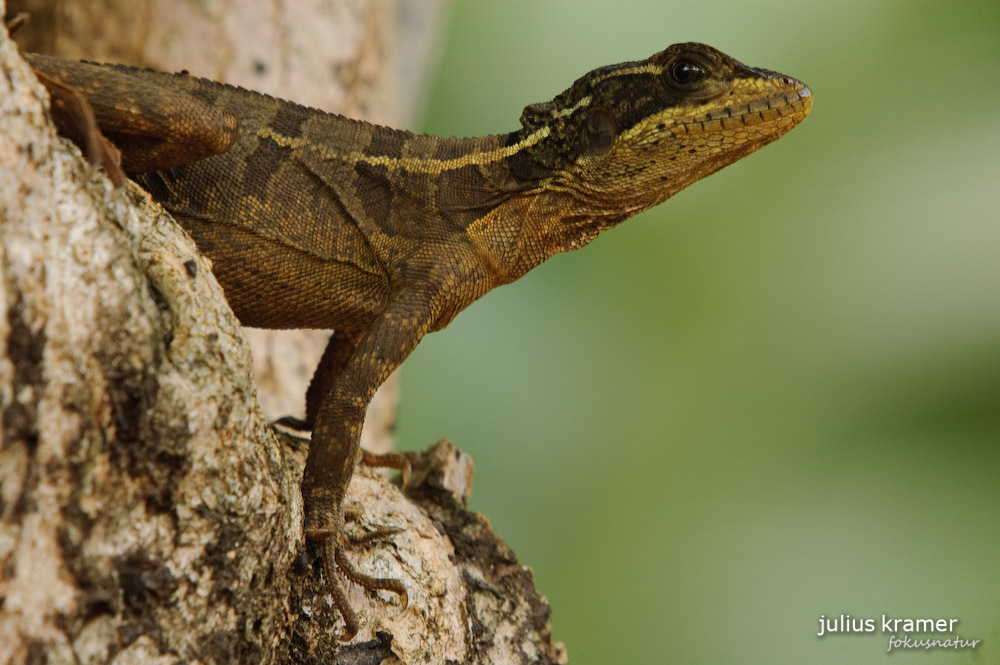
{"x": 686, "y": 72}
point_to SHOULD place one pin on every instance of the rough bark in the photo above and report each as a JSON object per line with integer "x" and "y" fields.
{"x": 148, "y": 514}
{"x": 357, "y": 57}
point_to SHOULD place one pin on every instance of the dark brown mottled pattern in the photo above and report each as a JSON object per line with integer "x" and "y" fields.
{"x": 386, "y": 143}
{"x": 315, "y": 220}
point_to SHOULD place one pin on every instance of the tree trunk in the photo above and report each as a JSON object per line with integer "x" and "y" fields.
{"x": 148, "y": 513}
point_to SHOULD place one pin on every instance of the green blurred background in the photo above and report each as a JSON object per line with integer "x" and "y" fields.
{"x": 774, "y": 397}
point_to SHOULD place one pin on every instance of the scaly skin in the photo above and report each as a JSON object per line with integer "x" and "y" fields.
{"x": 313, "y": 220}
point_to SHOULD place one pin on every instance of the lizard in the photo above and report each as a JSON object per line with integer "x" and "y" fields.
{"x": 314, "y": 220}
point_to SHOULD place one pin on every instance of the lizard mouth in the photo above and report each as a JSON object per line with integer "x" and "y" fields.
{"x": 790, "y": 101}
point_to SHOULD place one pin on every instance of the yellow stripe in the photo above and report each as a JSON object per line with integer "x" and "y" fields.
{"x": 413, "y": 164}
{"x": 435, "y": 166}
{"x": 562, "y": 113}
{"x": 667, "y": 116}
{"x": 645, "y": 68}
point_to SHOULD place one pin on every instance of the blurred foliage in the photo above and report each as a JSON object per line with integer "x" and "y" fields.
{"x": 774, "y": 397}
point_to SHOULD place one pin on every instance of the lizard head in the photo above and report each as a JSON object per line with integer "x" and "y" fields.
{"x": 626, "y": 137}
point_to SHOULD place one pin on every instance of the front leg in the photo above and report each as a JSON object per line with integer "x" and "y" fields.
{"x": 334, "y": 450}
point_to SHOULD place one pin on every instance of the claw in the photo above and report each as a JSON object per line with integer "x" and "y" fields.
{"x": 369, "y": 582}
{"x": 336, "y": 589}
{"x": 334, "y": 547}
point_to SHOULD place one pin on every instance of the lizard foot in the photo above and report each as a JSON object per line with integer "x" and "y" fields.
{"x": 334, "y": 551}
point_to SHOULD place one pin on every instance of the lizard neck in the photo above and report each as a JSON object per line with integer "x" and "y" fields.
{"x": 479, "y": 187}
{"x": 513, "y": 208}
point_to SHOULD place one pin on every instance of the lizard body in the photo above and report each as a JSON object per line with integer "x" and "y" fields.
{"x": 313, "y": 220}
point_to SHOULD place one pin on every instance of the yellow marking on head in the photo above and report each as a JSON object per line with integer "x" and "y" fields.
{"x": 563, "y": 112}
{"x": 644, "y": 68}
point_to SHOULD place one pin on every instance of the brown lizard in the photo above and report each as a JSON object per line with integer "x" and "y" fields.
{"x": 313, "y": 220}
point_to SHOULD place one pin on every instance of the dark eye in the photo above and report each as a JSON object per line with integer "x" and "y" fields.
{"x": 686, "y": 73}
